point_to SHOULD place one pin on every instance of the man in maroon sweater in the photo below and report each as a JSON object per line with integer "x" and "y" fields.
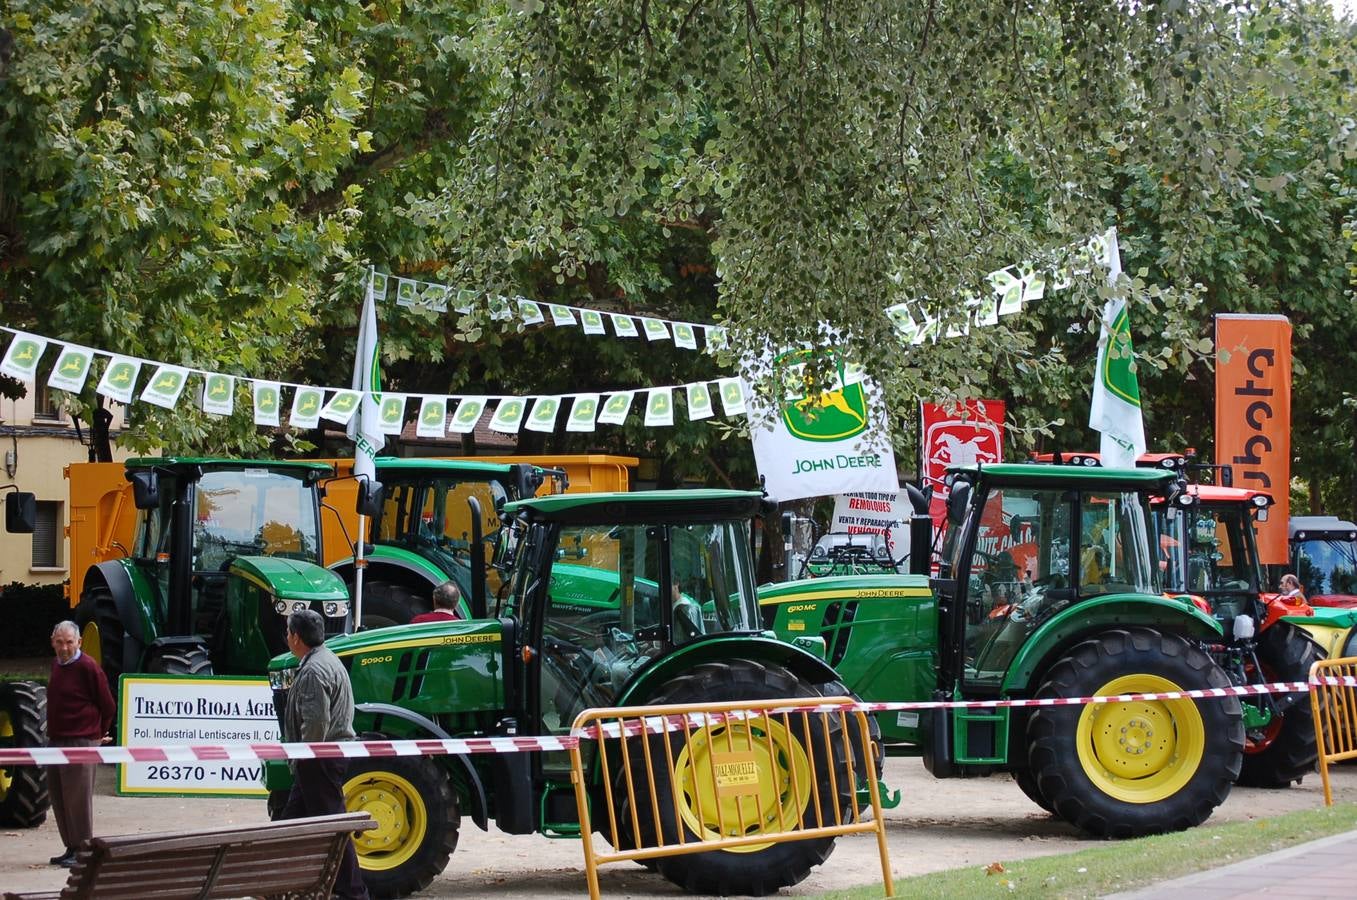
{"x": 79, "y": 714}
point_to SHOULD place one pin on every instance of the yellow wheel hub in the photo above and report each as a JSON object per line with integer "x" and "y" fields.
{"x": 730, "y": 784}
{"x": 1140, "y": 752}
{"x": 399, "y": 811}
{"x": 6, "y": 739}
{"x": 90, "y": 643}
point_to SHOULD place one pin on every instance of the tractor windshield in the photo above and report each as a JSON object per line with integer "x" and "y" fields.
{"x": 432, "y": 517}
{"x": 253, "y": 512}
{"x": 1032, "y": 552}
{"x": 1327, "y": 566}
{"x": 1209, "y": 550}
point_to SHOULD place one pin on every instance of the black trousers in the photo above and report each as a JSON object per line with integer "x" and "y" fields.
{"x": 318, "y": 790}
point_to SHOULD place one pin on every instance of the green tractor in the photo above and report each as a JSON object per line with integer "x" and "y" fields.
{"x": 439, "y": 521}
{"x": 1049, "y": 589}
{"x": 223, "y": 550}
{"x": 609, "y": 599}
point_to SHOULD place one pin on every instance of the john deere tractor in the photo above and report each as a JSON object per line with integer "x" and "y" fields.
{"x": 223, "y": 550}
{"x": 609, "y": 599}
{"x": 1049, "y": 589}
{"x": 439, "y": 521}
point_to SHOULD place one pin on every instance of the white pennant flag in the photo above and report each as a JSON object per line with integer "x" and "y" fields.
{"x": 219, "y": 394}
{"x": 623, "y": 326}
{"x": 433, "y": 417}
{"x": 468, "y": 414}
{"x": 165, "y": 386}
{"x": 341, "y": 407}
{"x": 717, "y": 338}
{"x": 120, "y": 378}
{"x": 377, "y": 282}
{"x": 508, "y": 415}
{"x": 684, "y": 336}
{"x": 435, "y": 297}
{"x": 72, "y": 368}
{"x": 1115, "y": 411}
{"x": 390, "y": 419}
{"x": 582, "y": 413}
{"x": 592, "y": 321}
{"x": 530, "y": 313}
{"x": 267, "y": 402}
{"x": 407, "y": 292}
{"x": 732, "y": 396}
{"x": 660, "y": 407}
{"x": 656, "y": 330}
{"x": 306, "y": 404}
{"x": 561, "y": 315}
{"x": 21, "y": 359}
{"x": 699, "y": 401}
{"x": 543, "y": 417}
{"x": 616, "y": 409}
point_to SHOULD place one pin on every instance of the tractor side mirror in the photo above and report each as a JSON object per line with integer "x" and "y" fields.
{"x": 21, "y": 513}
{"x": 370, "y": 496}
{"x": 956, "y": 501}
{"x": 145, "y": 488}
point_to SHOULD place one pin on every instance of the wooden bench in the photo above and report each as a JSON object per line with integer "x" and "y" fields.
{"x": 295, "y": 858}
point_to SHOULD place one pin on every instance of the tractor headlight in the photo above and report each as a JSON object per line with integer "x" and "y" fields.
{"x": 280, "y": 607}
{"x": 336, "y": 609}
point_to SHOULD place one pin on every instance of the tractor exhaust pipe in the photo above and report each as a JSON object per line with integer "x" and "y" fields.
{"x": 920, "y": 531}
{"x": 478, "y": 610}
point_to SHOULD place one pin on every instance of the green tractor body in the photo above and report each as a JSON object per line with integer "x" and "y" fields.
{"x": 609, "y": 599}
{"x": 439, "y": 521}
{"x": 1049, "y": 589}
{"x": 223, "y": 551}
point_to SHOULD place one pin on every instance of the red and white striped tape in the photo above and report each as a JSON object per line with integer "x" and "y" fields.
{"x": 57, "y": 756}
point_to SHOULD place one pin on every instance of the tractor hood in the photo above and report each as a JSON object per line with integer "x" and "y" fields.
{"x": 290, "y": 579}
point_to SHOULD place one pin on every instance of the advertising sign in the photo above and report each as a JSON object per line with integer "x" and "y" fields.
{"x": 1253, "y": 416}
{"x": 875, "y": 513}
{"x": 962, "y": 435}
{"x": 157, "y": 710}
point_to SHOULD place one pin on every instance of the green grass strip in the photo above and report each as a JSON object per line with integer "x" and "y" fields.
{"x": 1124, "y": 865}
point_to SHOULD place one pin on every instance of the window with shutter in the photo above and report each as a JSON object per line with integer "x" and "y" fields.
{"x": 47, "y": 535}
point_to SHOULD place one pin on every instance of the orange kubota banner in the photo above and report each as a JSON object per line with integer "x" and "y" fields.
{"x": 1253, "y": 416}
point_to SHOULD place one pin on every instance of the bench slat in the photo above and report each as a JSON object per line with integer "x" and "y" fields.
{"x": 163, "y": 842}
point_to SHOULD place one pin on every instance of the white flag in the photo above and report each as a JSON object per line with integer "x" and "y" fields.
{"x": 543, "y": 416}
{"x": 120, "y": 378}
{"x": 660, "y": 407}
{"x": 72, "y": 368}
{"x": 306, "y": 404}
{"x": 165, "y": 386}
{"x": 433, "y": 417}
{"x": 266, "y": 402}
{"x": 1115, "y": 410}
{"x": 582, "y": 413}
{"x": 468, "y": 414}
{"x": 21, "y": 359}
{"x": 699, "y": 401}
{"x": 219, "y": 394}
{"x": 365, "y": 428}
{"x": 615, "y": 410}
{"x": 508, "y": 415}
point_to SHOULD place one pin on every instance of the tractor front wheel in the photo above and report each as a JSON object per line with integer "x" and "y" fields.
{"x": 180, "y": 661}
{"x": 1123, "y": 770}
{"x": 415, "y": 807}
{"x": 1284, "y": 750}
{"x": 101, "y": 631}
{"x": 797, "y": 779}
{"x": 23, "y": 723}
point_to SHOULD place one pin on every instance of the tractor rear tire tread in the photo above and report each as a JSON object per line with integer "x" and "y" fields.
{"x": 180, "y": 661}
{"x": 1288, "y": 655}
{"x": 25, "y": 802}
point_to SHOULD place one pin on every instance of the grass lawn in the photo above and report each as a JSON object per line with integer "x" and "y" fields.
{"x": 1123, "y": 865}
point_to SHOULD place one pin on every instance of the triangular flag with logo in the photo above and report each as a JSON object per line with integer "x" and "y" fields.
{"x": 120, "y": 378}
{"x": 656, "y": 330}
{"x": 732, "y": 396}
{"x": 435, "y": 297}
{"x": 306, "y": 404}
{"x": 165, "y": 386}
{"x": 378, "y": 283}
{"x": 582, "y": 413}
{"x": 1008, "y": 288}
{"x": 219, "y": 394}
{"x": 468, "y": 414}
{"x": 699, "y": 401}
{"x": 623, "y": 326}
{"x": 433, "y": 417}
{"x": 592, "y": 321}
{"x": 561, "y": 315}
{"x": 530, "y": 313}
{"x": 1115, "y": 409}
{"x": 508, "y": 415}
{"x": 543, "y": 417}
{"x": 391, "y": 414}
{"x": 660, "y": 407}
{"x": 684, "y": 336}
{"x": 341, "y": 407}
{"x": 407, "y": 292}
{"x": 72, "y": 368}
{"x": 21, "y": 359}
{"x": 615, "y": 410}
{"x": 904, "y": 323}
{"x": 717, "y": 338}
{"x": 267, "y": 402}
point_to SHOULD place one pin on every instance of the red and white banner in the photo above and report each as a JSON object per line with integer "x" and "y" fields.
{"x": 968, "y": 433}
{"x": 1253, "y": 416}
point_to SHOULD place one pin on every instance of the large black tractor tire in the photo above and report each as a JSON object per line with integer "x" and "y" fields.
{"x": 387, "y": 603}
{"x": 180, "y": 661}
{"x": 1123, "y": 770}
{"x": 1350, "y": 648}
{"x": 1285, "y": 750}
{"x": 755, "y": 870}
{"x": 23, "y": 723}
{"x": 102, "y": 635}
{"x": 1027, "y": 783}
{"x": 415, "y": 806}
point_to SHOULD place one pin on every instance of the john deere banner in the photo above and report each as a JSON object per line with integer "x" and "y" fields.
{"x": 963, "y": 435}
{"x": 1253, "y": 416}
{"x": 815, "y": 445}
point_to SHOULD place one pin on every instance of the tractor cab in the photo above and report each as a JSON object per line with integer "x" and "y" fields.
{"x": 1324, "y": 558}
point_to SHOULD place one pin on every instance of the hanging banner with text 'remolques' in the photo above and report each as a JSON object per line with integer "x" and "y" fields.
{"x": 1253, "y": 416}
{"x": 833, "y": 442}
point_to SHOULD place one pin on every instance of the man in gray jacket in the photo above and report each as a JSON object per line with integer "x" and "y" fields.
{"x": 319, "y": 708}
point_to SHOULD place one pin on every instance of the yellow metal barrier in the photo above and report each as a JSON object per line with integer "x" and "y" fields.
{"x": 725, "y": 776}
{"x": 1335, "y": 710}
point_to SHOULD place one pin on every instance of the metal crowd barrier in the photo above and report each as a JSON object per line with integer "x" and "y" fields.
{"x": 692, "y": 778}
{"x": 1333, "y": 698}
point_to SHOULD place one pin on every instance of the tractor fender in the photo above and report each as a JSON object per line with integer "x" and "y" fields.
{"x": 1068, "y": 627}
{"x": 758, "y": 648}
{"x": 479, "y": 807}
{"x": 132, "y": 598}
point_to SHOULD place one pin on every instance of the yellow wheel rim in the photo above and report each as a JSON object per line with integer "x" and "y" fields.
{"x": 7, "y": 740}
{"x": 1140, "y": 752}
{"x": 399, "y": 811}
{"x": 90, "y": 643}
{"x": 731, "y": 785}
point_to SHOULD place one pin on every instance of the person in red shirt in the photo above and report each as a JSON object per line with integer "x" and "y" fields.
{"x": 445, "y": 599}
{"x": 79, "y": 714}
